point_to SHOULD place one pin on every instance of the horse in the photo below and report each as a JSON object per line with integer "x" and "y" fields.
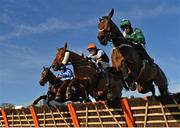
{"x": 57, "y": 88}
{"x": 126, "y": 58}
{"x": 85, "y": 73}
{"x": 54, "y": 85}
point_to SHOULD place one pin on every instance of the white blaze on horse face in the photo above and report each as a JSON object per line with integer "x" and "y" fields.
{"x": 66, "y": 57}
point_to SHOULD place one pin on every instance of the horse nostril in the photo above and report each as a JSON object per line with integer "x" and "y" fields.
{"x": 41, "y": 83}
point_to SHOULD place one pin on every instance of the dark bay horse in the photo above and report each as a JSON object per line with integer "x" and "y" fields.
{"x": 85, "y": 73}
{"x": 55, "y": 85}
{"x": 127, "y": 59}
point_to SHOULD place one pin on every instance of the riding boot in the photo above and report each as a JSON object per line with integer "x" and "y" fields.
{"x": 146, "y": 56}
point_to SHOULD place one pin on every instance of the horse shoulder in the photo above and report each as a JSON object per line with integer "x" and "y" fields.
{"x": 117, "y": 58}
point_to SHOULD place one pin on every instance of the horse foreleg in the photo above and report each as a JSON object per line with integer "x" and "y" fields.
{"x": 161, "y": 81}
{"x": 39, "y": 98}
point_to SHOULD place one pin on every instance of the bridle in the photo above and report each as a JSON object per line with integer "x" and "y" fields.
{"x": 65, "y": 60}
{"x": 107, "y": 33}
{"x": 45, "y": 75}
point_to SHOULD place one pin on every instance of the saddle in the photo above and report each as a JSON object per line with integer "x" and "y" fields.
{"x": 143, "y": 53}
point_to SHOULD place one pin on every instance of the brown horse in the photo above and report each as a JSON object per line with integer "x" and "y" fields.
{"x": 127, "y": 59}
{"x": 85, "y": 73}
{"x": 54, "y": 85}
{"x": 57, "y": 88}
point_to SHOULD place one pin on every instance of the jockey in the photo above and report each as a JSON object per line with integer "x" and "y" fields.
{"x": 98, "y": 56}
{"x": 135, "y": 37}
{"x": 66, "y": 75}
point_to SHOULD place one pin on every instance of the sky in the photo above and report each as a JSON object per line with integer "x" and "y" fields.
{"x": 32, "y": 30}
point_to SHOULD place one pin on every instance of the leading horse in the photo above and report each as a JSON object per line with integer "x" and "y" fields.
{"x": 127, "y": 59}
{"x": 86, "y": 74}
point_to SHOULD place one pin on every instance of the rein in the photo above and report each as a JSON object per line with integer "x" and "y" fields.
{"x": 66, "y": 57}
{"x": 54, "y": 81}
{"x": 122, "y": 45}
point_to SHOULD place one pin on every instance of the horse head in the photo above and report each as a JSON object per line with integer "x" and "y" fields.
{"x": 46, "y": 75}
{"x": 107, "y": 30}
{"x": 61, "y": 58}
{"x": 79, "y": 63}
{"x": 104, "y": 28}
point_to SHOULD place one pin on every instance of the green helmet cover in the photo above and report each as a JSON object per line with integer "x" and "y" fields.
{"x": 124, "y": 23}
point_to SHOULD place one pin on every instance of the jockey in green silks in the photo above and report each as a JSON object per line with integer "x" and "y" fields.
{"x": 136, "y": 38}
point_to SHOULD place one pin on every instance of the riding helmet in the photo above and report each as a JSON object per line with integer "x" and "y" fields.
{"x": 91, "y": 46}
{"x": 124, "y": 23}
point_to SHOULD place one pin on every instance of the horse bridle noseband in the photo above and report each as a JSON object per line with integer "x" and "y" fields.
{"x": 107, "y": 34}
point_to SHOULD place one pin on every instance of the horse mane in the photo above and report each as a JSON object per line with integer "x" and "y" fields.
{"x": 81, "y": 59}
{"x": 116, "y": 29}
{"x": 117, "y": 35}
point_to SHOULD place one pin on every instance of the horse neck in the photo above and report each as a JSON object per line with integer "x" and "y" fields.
{"x": 78, "y": 62}
{"x": 53, "y": 79}
{"x": 116, "y": 35}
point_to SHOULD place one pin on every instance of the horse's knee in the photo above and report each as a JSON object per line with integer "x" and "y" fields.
{"x": 140, "y": 89}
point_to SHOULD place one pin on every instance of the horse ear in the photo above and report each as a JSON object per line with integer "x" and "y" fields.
{"x": 57, "y": 48}
{"x": 44, "y": 67}
{"x": 49, "y": 67}
{"x": 111, "y": 13}
{"x": 65, "y": 46}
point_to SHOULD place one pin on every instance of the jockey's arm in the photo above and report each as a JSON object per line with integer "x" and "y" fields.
{"x": 138, "y": 36}
{"x": 67, "y": 73}
{"x": 99, "y": 58}
{"x": 99, "y": 55}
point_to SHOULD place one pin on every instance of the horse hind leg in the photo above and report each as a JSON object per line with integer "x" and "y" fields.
{"x": 146, "y": 87}
{"x": 161, "y": 81}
